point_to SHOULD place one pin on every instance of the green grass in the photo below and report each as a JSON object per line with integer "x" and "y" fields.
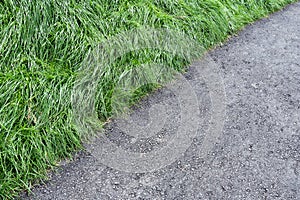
{"x": 42, "y": 44}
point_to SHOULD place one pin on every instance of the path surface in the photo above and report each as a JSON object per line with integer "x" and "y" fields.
{"x": 258, "y": 155}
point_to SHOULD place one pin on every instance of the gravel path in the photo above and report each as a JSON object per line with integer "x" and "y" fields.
{"x": 258, "y": 154}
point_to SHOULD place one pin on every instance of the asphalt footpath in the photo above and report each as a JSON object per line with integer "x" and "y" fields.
{"x": 257, "y": 155}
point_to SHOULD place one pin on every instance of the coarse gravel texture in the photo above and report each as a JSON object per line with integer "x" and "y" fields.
{"x": 258, "y": 155}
